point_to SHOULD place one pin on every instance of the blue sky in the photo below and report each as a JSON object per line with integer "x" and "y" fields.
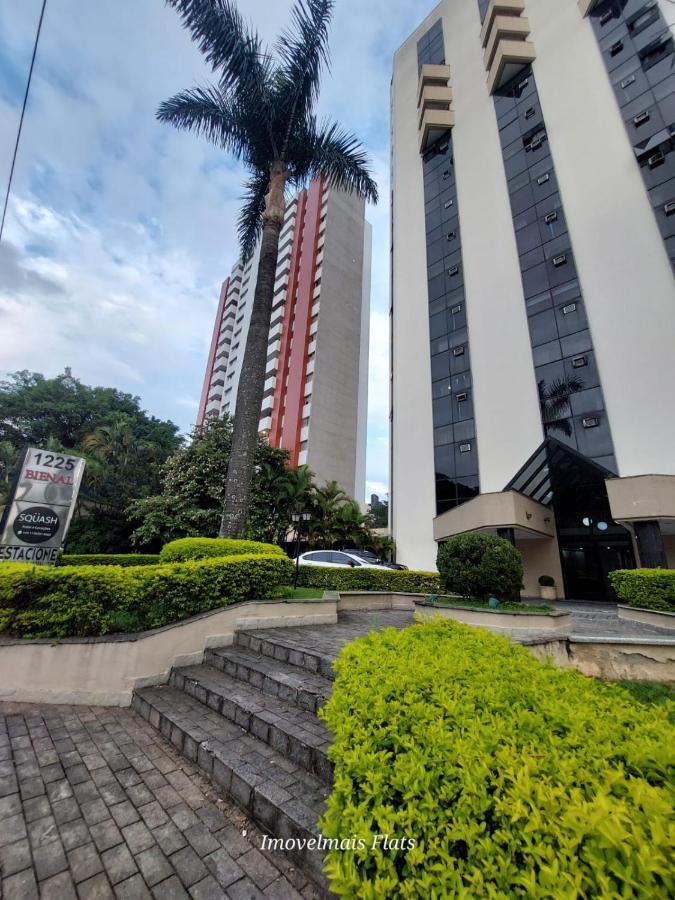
{"x": 120, "y": 229}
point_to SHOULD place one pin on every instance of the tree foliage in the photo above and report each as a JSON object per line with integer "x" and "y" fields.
{"x": 190, "y": 501}
{"x": 124, "y": 448}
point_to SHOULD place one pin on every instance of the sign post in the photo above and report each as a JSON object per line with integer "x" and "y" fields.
{"x": 38, "y": 512}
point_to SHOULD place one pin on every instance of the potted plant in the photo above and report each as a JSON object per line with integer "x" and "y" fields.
{"x": 547, "y": 589}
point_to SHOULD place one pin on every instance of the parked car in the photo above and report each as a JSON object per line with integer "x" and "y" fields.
{"x": 341, "y": 558}
{"x": 374, "y": 558}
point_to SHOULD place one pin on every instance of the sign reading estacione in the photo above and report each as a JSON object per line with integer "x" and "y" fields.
{"x": 37, "y": 516}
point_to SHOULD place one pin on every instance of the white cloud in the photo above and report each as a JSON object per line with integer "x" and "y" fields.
{"x": 120, "y": 229}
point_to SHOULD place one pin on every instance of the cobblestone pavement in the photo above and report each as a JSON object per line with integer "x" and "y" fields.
{"x": 587, "y": 621}
{"x": 95, "y": 804}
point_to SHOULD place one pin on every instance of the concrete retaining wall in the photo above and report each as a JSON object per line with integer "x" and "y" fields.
{"x": 105, "y": 670}
{"x": 647, "y": 616}
{"x": 499, "y": 621}
{"x": 613, "y": 660}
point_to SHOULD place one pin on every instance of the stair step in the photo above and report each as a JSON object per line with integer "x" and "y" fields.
{"x": 271, "y": 676}
{"x": 290, "y": 730}
{"x": 284, "y": 799}
{"x": 274, "y": 646}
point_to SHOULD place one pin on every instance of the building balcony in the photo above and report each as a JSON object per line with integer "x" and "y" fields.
{"x": 499, "y": 8}
{"x": 505, "y": 28}
{"x": 275, "y": 330}
{"x": 270, "y": 384}
{"x": 510, "y": 58}
{"x": 433, "y": 125}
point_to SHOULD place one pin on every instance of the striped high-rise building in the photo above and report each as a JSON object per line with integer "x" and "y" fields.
{"x": 533, "y": 301}
{"x": 316, "y": 392}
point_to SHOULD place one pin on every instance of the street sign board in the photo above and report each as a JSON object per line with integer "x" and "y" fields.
{"x": 39, "y": 510}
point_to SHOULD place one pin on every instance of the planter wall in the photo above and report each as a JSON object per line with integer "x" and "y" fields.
{"x": 506, "y": 622}
{"x": 105, "y": 670}
{"x": 647, "y": 616}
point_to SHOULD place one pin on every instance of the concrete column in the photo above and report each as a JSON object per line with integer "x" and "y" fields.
{"x": 650, "y": 545}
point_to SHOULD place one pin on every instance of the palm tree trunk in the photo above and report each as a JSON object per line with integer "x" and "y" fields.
{"x": 252, "y": 378}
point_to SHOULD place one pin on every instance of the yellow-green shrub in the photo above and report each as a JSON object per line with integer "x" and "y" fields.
{"x": 365, "y": 579}
{"x": 514, "y": 778}
{"x": 201, "y": 548}
{"x": 109, "y": 559}
{"x": 646, "y": 588}
{"x": 39, "y": 601}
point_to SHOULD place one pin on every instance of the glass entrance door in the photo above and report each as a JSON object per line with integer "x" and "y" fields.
{"x": 587, "y": 563}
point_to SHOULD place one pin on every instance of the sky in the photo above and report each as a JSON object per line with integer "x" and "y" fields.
{"x": 120, "y": 229}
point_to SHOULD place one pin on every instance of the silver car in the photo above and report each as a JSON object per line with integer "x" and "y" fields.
{"x": 337, "y": 558}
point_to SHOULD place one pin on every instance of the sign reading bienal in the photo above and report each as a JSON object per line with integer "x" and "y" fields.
{"x": 37, "y": 515}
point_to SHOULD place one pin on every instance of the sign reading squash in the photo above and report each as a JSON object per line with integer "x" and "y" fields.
{"x": 38, "y": 512}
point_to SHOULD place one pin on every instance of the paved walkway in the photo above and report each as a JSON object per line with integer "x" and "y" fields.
{"x": 95, "y": 804}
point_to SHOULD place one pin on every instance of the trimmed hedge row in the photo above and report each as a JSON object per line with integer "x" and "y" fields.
{"x": 363, "y": 579}
{"x": 109, "y": 559}
{"x": 512, "y": 778}
{"x": 646, "y": 588}
{"x": 202, "y": 548}
{"x": 44, "y": 602}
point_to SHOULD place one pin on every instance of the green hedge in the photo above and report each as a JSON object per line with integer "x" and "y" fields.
{"x": 109, "y": 559}
{"x": 477, "y": 564}
{"x": 647, "y": 588}
{"x": 514, "y": 778}
{"x": 44, "y": 602}
{"x": 363, "y": 579}
{"x": 202, "y": 548}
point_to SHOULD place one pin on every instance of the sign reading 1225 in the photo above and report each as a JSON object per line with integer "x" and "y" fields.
{"x": 53, "y": 460}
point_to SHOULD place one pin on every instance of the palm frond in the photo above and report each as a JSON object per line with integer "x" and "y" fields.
{"x": 249, "y": 226}
{"x": 335, "y": 154}
{"x": 303, "y": 50}
{"x": 209, "y": 112}
{"x": 564, "y": 387}
{"x": 226, "y": 42}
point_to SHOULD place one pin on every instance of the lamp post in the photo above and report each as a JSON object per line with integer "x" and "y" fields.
{"x": 298, "y": 518}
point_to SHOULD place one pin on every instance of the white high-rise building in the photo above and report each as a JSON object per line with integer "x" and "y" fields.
{"x": 533, "y": 302}
{"x": 316, "y": 393}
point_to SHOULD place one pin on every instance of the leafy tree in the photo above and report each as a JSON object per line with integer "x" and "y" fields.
{"x": 190, "y": 501}
{"x": 262, "y": 111}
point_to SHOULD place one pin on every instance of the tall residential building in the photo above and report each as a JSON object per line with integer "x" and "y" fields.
{"x": 316, "y": 393}
{"x": 533, "y": 302}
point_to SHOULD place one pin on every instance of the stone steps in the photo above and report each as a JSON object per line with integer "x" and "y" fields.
{"x": 284, "y": 798}
{"x": 247, "y": 718}
{"x": 282, "y": 649}
{"x": 289, "y": 729}
{"x": 271, "y": 676}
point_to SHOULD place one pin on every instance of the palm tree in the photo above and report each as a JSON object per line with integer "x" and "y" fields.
{"x": 554, "y": 403}
{"x": 261, "y": 110}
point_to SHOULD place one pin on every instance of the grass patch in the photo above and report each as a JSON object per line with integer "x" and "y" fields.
{"x": 650, "y": 693}
{"x": 286, "y": 592}
{"x": 504, "y": 606}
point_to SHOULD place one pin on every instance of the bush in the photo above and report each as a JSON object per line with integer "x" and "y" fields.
{"x": 109, "y": 559}
{"x": 202, "y": 548}
{"x": 480, "y": 565}
{"x": 44, "y": 602}
{"x": 514, "y": 778}
{"x": 547, "y": 581}
{"x": 363, "y": 579}
{"x": 646, "y": 588}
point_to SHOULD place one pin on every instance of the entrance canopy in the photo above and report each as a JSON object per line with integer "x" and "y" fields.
{"x": 554, "y": 467}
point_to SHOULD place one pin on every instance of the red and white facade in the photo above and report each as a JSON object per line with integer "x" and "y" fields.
{"x": 315, "y": 402}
